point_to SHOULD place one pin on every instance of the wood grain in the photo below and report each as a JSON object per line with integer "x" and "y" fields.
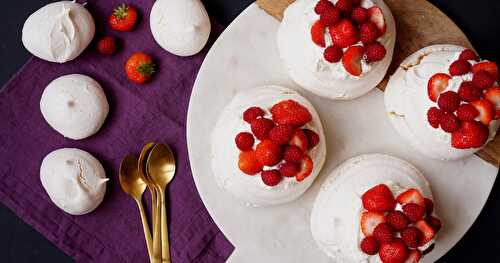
{"x": 419, "y": 24}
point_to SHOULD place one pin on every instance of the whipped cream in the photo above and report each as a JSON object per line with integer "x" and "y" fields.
{"x": 58, "y": 32}
{"x": 407, "y": 101}
{"x": 306, "y": 65}
{"x": 335, "y": 218}
{"x": 74, "y": 180}
{"x": 251, "y": 189}
{"x": 181, "y": 27}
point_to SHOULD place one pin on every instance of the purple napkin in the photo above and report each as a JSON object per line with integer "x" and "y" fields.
{"x": 138, "y": 114}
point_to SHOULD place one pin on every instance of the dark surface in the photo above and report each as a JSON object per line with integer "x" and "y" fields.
{"x": 478, "y": 19}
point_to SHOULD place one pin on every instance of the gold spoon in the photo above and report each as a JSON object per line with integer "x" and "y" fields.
{"x": 155, "y": 201}
{"x": 161, "y": 168}
{"x": 134, "y": 186}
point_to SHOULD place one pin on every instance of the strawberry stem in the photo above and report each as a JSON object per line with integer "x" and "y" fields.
{"x": 146, "y": 69}
{"x": 121, "y": 11}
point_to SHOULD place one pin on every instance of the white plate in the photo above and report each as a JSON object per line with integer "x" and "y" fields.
{"x": 245, "y": 56}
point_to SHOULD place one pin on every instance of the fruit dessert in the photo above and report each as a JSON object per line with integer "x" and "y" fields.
{"x": 267, "y": 146}
{"x": 445, "y": 100}
{"x": 375, "y": 208}
{"x": 337, "y": 49}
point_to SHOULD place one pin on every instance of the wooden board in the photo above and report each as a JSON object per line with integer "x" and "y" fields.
{"x": 419, "y": 24}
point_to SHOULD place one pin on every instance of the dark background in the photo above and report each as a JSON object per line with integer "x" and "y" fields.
{"x": 478, "y": 19}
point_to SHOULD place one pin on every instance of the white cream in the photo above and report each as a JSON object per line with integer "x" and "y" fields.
{"x": 58, "y": 32}
{"x": 74, "y": 180}
{"x": 335, "y": 218}
{"x": 407, "y": 101}
{"x": 224, "y": 153}
{"x": 304, "y": 60}
{"x": 74, "y": 105}
{"x": 181, "y": 27}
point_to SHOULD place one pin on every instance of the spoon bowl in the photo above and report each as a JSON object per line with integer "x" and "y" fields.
{"x": 161, "y": 165}
{"x": 130, "y": 180}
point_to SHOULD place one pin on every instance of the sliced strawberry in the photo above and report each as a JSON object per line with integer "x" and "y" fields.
{"x": 428, "y": 232}
{"x": 411, "y": 196}
{"x": 306, "y": 168}
{"x": 344, "y": 33}
{"x": 352, "y": 60}
{"x": 486, "y": 110}
{"x": 472, "y": 134}
{"x": 488, "y": 66}
{"x": 414, "y": 256}
{"x": 318, "y": 33}
{"x": 312, "y": 138}
{"x": 378, "y": 199}
{"x": 436, "y": 85}
{"x": 268, "y": 153}
{"x": 290, "y": 112}
{"x": 370, "y": 220}
{"x": 434, "y": 222}
{"x": 467, "y": 112}
{"x": 248, "y": 163}
{"x": 300, "y": 140}
{"x": 469, "y": 54}
{"x": 376, "y": 16}
{"x": 493, "y": 95}
{"x": 393, "y": 252}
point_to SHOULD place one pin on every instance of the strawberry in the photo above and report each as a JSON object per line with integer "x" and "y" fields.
{"x": 482, "y": 80}
{"x": 468, "y": 54}
{"x": 333, "y": 54}
{"x": 449, "y": 101}
{"x": 467, "y": 112}
{"x": 393, "y": 252}
{"x": 486, "y": 110}
{"x": 368, "y": 32}
{"x": 268, "y": 153}
{"x": 359, "y": 15}
{"x": 468, "y": 92}
{"x": 375, "y": 52}
{"x": 414, "y": 256}
{"x": 411, "y": 236}
{"x": 429, "y": 206}
{"x": 281, "y": 134}
{"x": 293, "y": 154}
{"x": 248, "y": 163}
{"x": 318, "y": 33}
{"x": 434, "y": 116}
{"x": 139, "y": 67}
{"x": 488, "y": 66}
{"x": 356, "y": 2}
{"x": 460, "y": 67}
{"x": 345, "y": 6}
{"x": 434, "y": 223}
{"x": 376, "y": 16}
{"x": 472, "y": 134}
{"x": 290, "y": 112}
{"x": 436, "y": 85}
{"x": 428, "y": 232}
{"x": 344, "y": 34}
{"x": 244, "y": 141}
{"x": 261, "y": 128}
{"x": 123, "y": 18}
{"x": 493, "y": 95}
{"x": 289, "y": 169}
{"x": 411, "y": 195}
{"x": 352, "y": 60}
{"x": 271, "y": 177}
{"x": 379, "y": 199}
{"x": 369, "y": 245}
{"x": 369, "y": 220}
{"x": 252, "y": 113}
{"x": 449, "y": 122}
{"x": 106, "y": 45}
{"x": 300, "y": 140}
{"x": 397, "y": 220}
{"x": 306, "y": 168}
{"x": 414, "y": 212}
{"x": 312, "y": 138}
{"x": 330, "y": 16}
{"x": 322, "y": 5}
{"x": 383, "y": 232}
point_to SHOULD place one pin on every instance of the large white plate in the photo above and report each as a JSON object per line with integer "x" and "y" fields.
{"x": 246, "y": 56}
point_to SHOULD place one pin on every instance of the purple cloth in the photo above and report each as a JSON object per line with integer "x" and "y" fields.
{"x": 138, "y": 114}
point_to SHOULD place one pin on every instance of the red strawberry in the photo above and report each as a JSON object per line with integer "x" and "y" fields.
{"x": 322, "y": 5}
{"x": 140, "y": 67}
{"x": 248, "y": 163}
{"x": 312, "y": 138}
{"x": 469, "y": 55}
{"x": 379, "y": 199}
{"x": 293, "y": 154}
{"x": 290, "y": 112}
{"x": 411, "y": 195}
{"x": 268, "y": 153}
{"x": 376, "y": 16}
{"x": 289, "y": 169}
{"x": 345, "y": 6}
{"x": 352, "y": 60}
{"x": 106, "y": 45}
{"x": 397, "y": 220}
{"x": 344, "y": 34}
{"x": 281, "y": 134}
{"x": 449, "y": 122}
{"x": 488, "y": 66}
{"x": 333, "y": 54}
{"x": 428, "y": 232}
{"x": 434, "y": 116}
{"x": 369, "y": 220}
{"x": 393, "y": 252}
{"x": 493, "y": 95}
{"x": 472, "y": 134}
{"x": 411, "y": 236}
{"x": 306, "y": 168}
{"x": 414, "y": 256}
{"x": 429, "y": 206}
{"x": 449, "y": 101}
{"x": 434, "y": 223}
{"x": 467, "y": 112}
{"x": 368, "y": 32}
{"x": 369, "y": 245}
{"x": 468, "y": 92}
{"x": 356, "y": 2}
{"x": 123, "y": 18}
{"x": 359, "y": 15}
{"x": 486, "y": 110}
{"x": 271, "y": 177}
{"x": 460, "y": 67}
{"x": 375, "y": 52}
{"x": 252, "y": 113}
{"x": 261, "y": 128}
{"x": 330, "y": 16}
{"x": 318, "y": 33}
{"x": 300, "y": 140}
{"x": 383, "y": 233}
{"x": 244, "y": 141}
{"x": 414, "y": 212}
{"x": 436, "y": 85}
{"x": 483, "y": 80}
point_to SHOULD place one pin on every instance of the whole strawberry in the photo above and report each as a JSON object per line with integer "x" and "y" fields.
{"x": 139, "y": 67}
{"x": 378, "y": 199}
{"x": 123, "y": 18}
{"x": 106, "y": 45}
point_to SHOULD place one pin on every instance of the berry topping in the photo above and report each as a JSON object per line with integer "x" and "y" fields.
{"x": 383, "y": 233}
{"x": 281, "y": 134}
{"x": 268, "y": 152}
{"x": 375, "y": 52}
{"x": 123, "y": 18}
{"x": 378, "y": 199}
{"x": 486, "y": 110}
{"x": 359, "y": 15}
{"x": 376, "y": 16}
{"x": 333, "y": 54}
{"x": 106, "y": 45}
{"x": 397, "y": 220}
{"x": 293, "y": 154}
{"x": 322, "y": 6}
{"x": 369, "y": 220}
{"x": 306, "y": 168}
{"x": 300, "y": 140}
{"x": 318, "y": 33}
{"x": 460, "y": 67}
{"x": 393, "y": 252}
{"x": 467, "y": 112}
{"x": 413, "y": 212}
{"x": 244, "y": 141}
{"x": 261, "y": 128}
{"x": 488, "y": 66}
{"x": 290, "y": 112}
{"x": 413, "y": 256}
{"x": 449, "y": 101}
{"x": 411, "y": 236}
{"x": 434, "y": 116}
{"x": 429, "y": 206}
{"x": 271, "y": 177}
{"x": 493, "y": 95}
{"x": 469, "y": 55}
{"x": 289, "y": 169}
{"x": 345, "y": 6}
{"x": 411, "y": 195}
{"x": 436, "y": 85}
{"x": 344, "y": 34}
{"x": 468, "y": 92}
{"x": 248, "y": 163}
{"x": 472, "y": 134}
{"x": 428, "y": 232}
{"x": 252, "y": 113}
{"x": 370, "y": 245}
{"x": 330, "y": 16}
{"x": 139, "y": 67}
{"x": 449, "y": 122}
{"x": 368, "y": 32}
{"x": 352, "y": 60}
{"x": 434, "y": 223}
{"x": 483, "y": 80}
{"x": 312, "y": 138}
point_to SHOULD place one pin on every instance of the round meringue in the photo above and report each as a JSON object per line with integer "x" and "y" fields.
{"x": 181, "y": 27}
{"x": 74, "y": 180}
{"x": 306, "y": 65}
{"x": 251, "y": 189}
{"x": 335, "y": 217}
{"x": 58, "y": 32}
{"x": 74, "y": 105}
{"x": 407, "y": 102}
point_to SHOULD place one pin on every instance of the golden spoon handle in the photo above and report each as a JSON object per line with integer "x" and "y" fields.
{"x": 165, "y": 249}
{"x": 157, "y": 229}
{"x": 145, "y": 227}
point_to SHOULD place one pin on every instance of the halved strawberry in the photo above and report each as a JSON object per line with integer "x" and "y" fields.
{"x": 376, "y": 16}
{"x": 488, "y": 66}
{"x": 344, "y": 33}
{"x": 493, "y": 95}
{"x": 300, "y": 140}
{"x": 370, "y": 220}
{"x": 436, "y": 85}
{"x": 248, "y": 163}
{"x": 413, "y": 256}
{"x": 472, "y": 134}
{"x": 352, "y": 60}
{"x": 306, "y": 168}
{"x": 486, "y": 110}
{"x": 318, "y": 33}
{"x": 290, "y": 112}
{"x": 427, "y": 231}
{"x": 411, "y": 196}
{"x": 379, "y": 199}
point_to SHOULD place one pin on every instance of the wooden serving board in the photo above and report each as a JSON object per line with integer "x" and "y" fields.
{"x": 419, "y": 24}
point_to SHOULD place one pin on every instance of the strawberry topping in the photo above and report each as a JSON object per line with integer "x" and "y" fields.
{"x": 483, "y": 80}
{"x": 375, "y": 52}
{"x": 469, "y": 55}
{"x": 411, "y": 195}
{"x": 472, "y": 134}
{"x": 393, "y": 252}
{"x": 376, "y": 16}
{"x": 252, "y": 113}
{"x": 436, "y": 85}
{"x": 383, "y": 232}
{"x": 370, "y": 220}
{"x": 370, "y": 245}
{"x": 248, "y": 163}
{"x": 271, "y": 177}
{"x": 488, "y": 66}
{"x": 318, "y": 33}
{"x": 244, "y": 141}
{"x": 293, "y": 154}
{"x": 460, "y": 67}
{"x": 411, "y": 236}
{"x": 268, "y": 153}
{"x": 397, "y": 220}
{"x": 306, "y": 168}
{"x": 281, "y": 134}
{"x": 352, "y": 60}
{"x": 333, "y": 54}
{"x": 290, "y": 112}
{"x": 344, "y": 34}
{"x": 378, "y": 199}
{"x": 468, "y": 92}
{"x": 467, "y": 112}
{"x": 434, "y": 116}
{"x": 261, "y": 128}
{"x": 449, "y": 101}
{"x": 449, "y": 122}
